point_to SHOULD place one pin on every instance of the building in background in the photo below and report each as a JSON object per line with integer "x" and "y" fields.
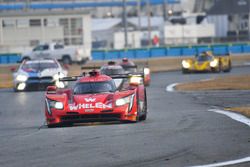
{"x": 21, "y": 30}
{"x": 174, "y": 22}
{"x": 231, "y": 18}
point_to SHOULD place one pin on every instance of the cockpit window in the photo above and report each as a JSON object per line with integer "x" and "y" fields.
{"x": 129, "y": 68}
{"x": 94, "y": 87}
{"x": 204, "y": 58}
{"x": 112, "y": 71}
{"x": 39, "y": 66}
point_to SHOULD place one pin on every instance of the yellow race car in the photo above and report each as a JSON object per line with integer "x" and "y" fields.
{"x": 207, "y": 62}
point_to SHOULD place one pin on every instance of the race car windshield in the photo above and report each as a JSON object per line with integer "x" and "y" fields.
{"x": 110, "y": 71}
{"x": 204, "y": 58}
{"x": 129, "y": 68}
{"x": 94, "y": 87}
{"x": 39, "y": 66}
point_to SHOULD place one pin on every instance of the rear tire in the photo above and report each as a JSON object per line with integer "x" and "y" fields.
{"x": 229, "y": 67}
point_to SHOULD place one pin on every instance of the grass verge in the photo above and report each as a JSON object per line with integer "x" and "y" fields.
{"x": 242, "y": 110}
{"x": 223, "y": 83}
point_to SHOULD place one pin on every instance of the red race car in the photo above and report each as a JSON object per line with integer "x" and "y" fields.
{"x": 94, "y": 97}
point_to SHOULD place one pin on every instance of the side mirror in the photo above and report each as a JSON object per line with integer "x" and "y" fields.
{"x": 51, "y": 89}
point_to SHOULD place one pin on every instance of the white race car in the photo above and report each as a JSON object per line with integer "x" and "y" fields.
{"x": 38, "y": 74}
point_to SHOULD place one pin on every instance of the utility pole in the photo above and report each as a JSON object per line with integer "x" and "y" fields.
{"x": 149, "y": 22}
{"x": 248, "y": 19}
{"x": 164, "y": 10}
{"x": 139, "y": 14}
{"x": 27, "y": 5}
{"x": 125, "y": 23}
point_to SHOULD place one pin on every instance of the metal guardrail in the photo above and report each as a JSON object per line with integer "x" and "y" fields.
{"x": 147, "y": 53}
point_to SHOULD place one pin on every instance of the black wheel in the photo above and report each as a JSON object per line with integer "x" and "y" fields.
{"x": 66, "y": 60}
{"x": 185, "y": 71}
{"x": 145, "y": 108}
{"x": 229, "y": 67}
{"x": 15, "y": 90}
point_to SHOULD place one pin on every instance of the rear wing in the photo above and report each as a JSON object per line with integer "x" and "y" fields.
{"x": 124, "y": 76}
{"x": 90, "y": 67}
{"x": 73, "y": 78}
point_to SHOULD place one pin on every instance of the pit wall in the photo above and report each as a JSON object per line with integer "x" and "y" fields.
{"x": 154, "y": 52}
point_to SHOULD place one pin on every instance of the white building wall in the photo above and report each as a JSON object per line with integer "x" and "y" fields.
{"x": 23, "y": 36}
{"x": 221, "y": 24}
{"x": 87, "y": 39}
{"x": 19, "y": 37}
{"x": 134, "y": 40}
{"x": 187, "y": 34}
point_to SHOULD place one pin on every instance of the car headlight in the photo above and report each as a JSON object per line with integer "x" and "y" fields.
{"x": 185, "y": 64}
{"x": 126, "y": 100}
{"x": 21, "y": 78}
{"x": 54, "y": 104}
{"x": 214, "y": 63}
{"x": 59, "y": 105}
{"x": 146, "y": 71}
{"x": 58, "y": 76}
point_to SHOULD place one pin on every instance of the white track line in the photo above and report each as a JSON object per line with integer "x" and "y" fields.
{"x": 236, "y": 117}
{"x": 170, "y": 88}
{"x": 233, "y": 162}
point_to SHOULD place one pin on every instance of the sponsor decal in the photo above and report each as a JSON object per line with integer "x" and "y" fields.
{"x": 98, "y": 105}
{"x": 90, "y": 99}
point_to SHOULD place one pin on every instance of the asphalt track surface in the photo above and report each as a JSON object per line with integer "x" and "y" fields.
{"x": 179, "y": 131}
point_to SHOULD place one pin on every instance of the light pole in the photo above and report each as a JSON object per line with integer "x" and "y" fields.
{"x": 164, "y": 10}
{"x": 248, "y": 19}
{"x": 125, "y": 23}
{"x": 27, "y": 5}
{"x": 149, "y": 22}
{"x": 139, "y": 14}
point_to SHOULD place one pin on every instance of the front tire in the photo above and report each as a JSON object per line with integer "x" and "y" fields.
{"x": 145, "y": 108}
{"x": 185, "y": 71}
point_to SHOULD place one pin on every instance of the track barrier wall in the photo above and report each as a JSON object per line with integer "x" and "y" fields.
{"x": 146, "y": 53}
